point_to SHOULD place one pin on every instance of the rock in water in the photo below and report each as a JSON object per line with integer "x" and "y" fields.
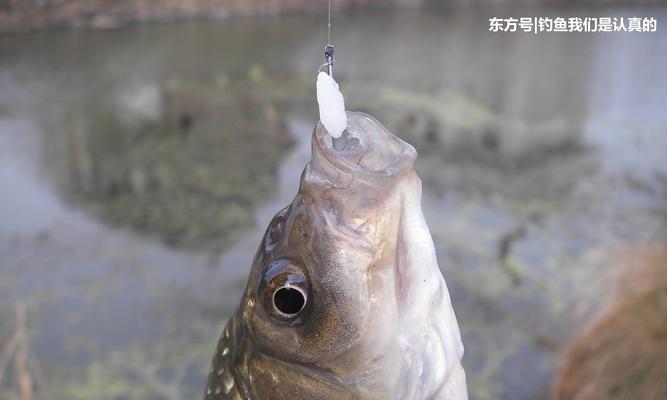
{"x": 345, "y": 299}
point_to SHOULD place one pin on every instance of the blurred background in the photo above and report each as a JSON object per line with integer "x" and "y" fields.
{"x": 145, "y": 145}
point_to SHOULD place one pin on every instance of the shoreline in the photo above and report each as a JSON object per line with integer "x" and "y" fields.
{"x": 34, "y": 15}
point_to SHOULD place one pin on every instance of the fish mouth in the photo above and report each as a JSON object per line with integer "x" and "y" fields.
{"x": 368, "y": 150}
{"x": 350, "y": 183}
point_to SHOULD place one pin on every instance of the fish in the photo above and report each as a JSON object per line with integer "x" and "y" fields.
{"x": 345, "y": 299}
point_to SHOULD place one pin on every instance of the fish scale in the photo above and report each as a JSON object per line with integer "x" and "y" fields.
{"x": 221, "y": 382}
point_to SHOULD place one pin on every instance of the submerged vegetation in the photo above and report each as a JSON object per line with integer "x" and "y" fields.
{"x": 191, "y": 172}
{"x": 192, "y": 169}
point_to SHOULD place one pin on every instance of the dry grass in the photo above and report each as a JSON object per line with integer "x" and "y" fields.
{"x": 623, "y": 355}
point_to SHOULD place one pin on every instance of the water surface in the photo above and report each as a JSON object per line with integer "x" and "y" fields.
{"x": 140, "y": 167}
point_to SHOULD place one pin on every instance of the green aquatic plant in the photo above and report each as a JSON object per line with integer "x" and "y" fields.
{"x": 193, "y": 177}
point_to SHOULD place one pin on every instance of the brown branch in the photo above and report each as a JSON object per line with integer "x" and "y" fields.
{"x": 36, "y": 368}
{"x": 8, "y": 349}
{"x": 26, "y": 366}
{"x": 23, "y": 377}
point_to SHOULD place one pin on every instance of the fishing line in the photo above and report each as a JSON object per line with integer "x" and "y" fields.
{"x": 329, "y": 26}
{"x": 328, "y": 49}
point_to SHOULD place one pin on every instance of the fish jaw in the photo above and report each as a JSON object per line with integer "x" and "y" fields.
{"x": 378, "y": 321}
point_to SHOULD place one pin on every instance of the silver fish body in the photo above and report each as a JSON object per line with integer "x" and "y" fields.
{"x": 345, "y": 299}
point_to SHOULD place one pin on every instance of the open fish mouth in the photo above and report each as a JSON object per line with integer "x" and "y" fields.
{"x": 367, "y": 148}
{"x": 352, "y": 181}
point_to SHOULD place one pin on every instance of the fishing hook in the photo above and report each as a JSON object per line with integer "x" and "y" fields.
{"x": 329, "y": 57}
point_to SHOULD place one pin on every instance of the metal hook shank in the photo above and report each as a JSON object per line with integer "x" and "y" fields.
{"x": 329, "y": 56}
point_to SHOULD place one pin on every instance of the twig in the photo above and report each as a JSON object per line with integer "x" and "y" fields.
{"x": 22, "y": 374}
{"x": 505, "y": 250}
{"x": 8, "y": 350}
{"x": 508, "y": 239}
{"x": 17, "y": 347}
{"x": 36, "y": 368}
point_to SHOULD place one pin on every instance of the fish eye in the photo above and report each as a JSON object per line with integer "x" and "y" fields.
{"x": 289, "y": 300}
{"x": 283, "y": 290}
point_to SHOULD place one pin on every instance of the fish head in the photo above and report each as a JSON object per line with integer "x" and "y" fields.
{"x": 310, "y": 290}
{"x": 345, "y": 278}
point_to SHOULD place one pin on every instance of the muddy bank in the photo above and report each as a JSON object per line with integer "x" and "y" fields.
{"x": 36, "y": 14}
{"x": 26, "y": 15}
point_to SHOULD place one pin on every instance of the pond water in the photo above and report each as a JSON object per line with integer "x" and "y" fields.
{"x": 141, "y": 166}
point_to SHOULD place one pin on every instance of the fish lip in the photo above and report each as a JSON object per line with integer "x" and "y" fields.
{"x": 404, "y": 155}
